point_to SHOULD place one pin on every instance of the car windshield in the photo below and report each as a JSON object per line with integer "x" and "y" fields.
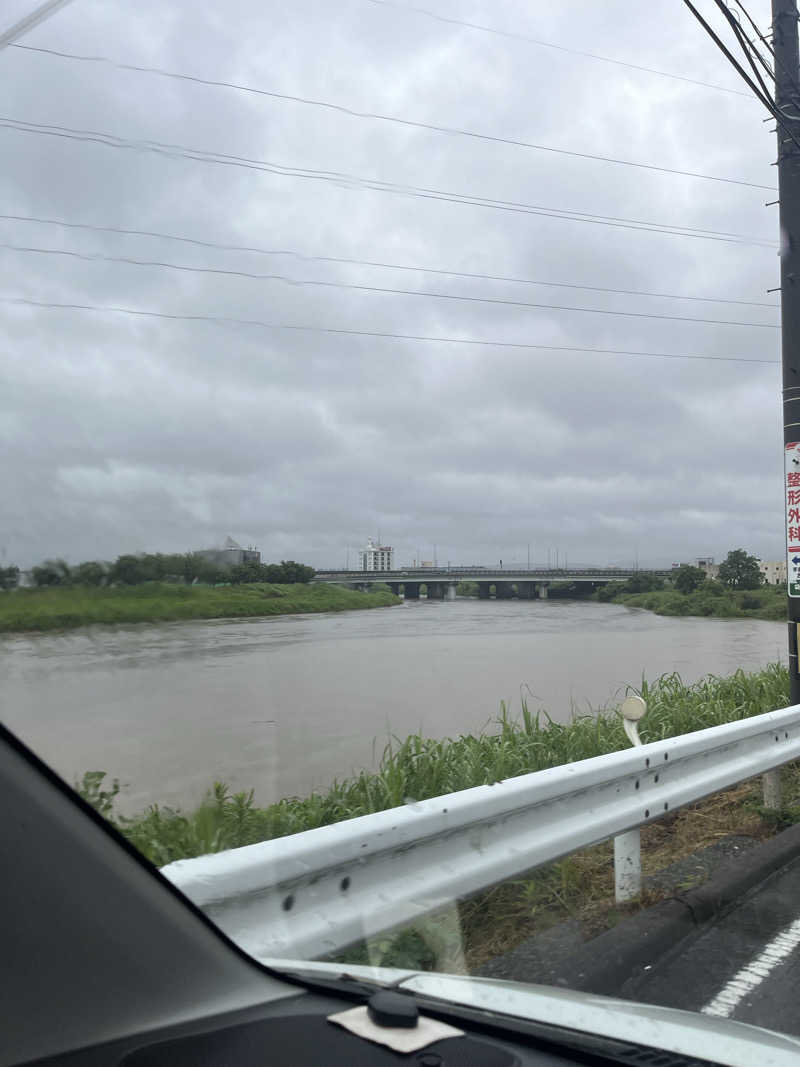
{"x": 374, "y": 555}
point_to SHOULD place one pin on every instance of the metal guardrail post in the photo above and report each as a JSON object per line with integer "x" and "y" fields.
{"x": 628, "y": 846}
{"x": 771, "y": 785}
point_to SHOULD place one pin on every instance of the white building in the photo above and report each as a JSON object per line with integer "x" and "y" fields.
{"x": 708, "y": 565}
{"x": 774, "y": 571}
{"x": 376, "y": 557}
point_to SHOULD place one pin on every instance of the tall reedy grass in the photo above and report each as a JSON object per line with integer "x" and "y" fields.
{"x": 417, "y": 767}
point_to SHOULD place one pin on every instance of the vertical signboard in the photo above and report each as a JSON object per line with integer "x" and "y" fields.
{"x": 792, "y": 493}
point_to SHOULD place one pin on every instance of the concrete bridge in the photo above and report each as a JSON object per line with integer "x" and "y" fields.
{"x": 503, "y": 583}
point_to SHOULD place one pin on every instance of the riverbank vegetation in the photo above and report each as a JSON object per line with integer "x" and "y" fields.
{"x": 182, "y": 568}
{"x": 66, "y": 607}
{"x": 714, "y": 601}
{"x": 579, "y": 887}
{"x": 419, "y": 767}
{"x": 737, "y": 592}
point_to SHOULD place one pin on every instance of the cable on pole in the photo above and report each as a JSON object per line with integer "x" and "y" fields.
{"x": 750, "y": 52}
{"x": 756, "y": 89}
{"x": 764, "y": 97}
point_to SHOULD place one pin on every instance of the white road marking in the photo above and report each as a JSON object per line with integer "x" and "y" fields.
{"x": 753, "y": 974}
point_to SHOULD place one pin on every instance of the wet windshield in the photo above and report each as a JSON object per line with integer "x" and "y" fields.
{"x": 390, "y": 418}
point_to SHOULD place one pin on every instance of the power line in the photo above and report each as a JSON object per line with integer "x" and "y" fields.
{"x": 374, "y": 184}
{"x": 759, "y": 90}
{"x": 749, "y": 47}
{"x": 380, "y": 117}
{"x": 97, "y": 257}
{"x": 762, "y": 37}
{"x": 229, "y": 321}
{"x": 557, "y": 47}
{"x": 751, "y": 53}
{"x": 304, "y": 257}
{"x": 760, "y": 95}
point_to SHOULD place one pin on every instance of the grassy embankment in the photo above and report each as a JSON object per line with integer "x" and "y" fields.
{"x": 580, "y": 886}
{"x": 71, "y": 606}
{"x": 713, "y": 600}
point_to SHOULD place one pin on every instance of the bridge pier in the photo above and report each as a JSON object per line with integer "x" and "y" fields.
{"x": 503, "y": 590}
{"x": 450, "y": 591}
{"x": 484, "y": 590}
{"x": 541, "y": 590}
{"x": 411, "y": 590}
{"x": 435, "y": 591}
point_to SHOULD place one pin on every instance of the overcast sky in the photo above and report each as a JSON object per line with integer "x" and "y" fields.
{"x": 123, "y": 433}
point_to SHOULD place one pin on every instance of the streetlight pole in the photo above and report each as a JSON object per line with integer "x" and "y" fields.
{"x": 787, "y": 93}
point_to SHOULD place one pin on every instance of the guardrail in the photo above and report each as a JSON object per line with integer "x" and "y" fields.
{"x": 316, "y": 892}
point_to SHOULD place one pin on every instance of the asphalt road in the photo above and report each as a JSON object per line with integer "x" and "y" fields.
{"x": 745, "y": 965}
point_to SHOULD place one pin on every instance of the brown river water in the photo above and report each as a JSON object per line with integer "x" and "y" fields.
{"x": 286, "y": 704}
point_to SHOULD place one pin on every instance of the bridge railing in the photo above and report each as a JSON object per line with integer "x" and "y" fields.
{"x": 316, "y": 892}
{"x": 501, "y": 572}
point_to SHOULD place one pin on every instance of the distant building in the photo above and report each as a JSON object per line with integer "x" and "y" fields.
{"x": 376, "y": 557}
{"x": 230, "y": 554}
{"x": 774, "y": 571}
{"x": 708, "y": 565}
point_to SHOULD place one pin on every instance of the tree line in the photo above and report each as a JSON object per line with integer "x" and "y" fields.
{"x": 187, "y": 567}
{"x": 739, "y": 570}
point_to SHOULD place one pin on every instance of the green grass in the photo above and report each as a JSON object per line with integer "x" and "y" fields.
{"x": 418, "y": 767}
{"x": 66, "y": 608}
{"x": 579, "y": 887}
{"x": 767, "y": 602}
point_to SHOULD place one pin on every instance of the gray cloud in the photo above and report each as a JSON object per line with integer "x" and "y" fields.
{"x": 122, "y": 433}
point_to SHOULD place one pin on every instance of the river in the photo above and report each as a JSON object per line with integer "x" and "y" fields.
{"x": 285, "y": 704}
